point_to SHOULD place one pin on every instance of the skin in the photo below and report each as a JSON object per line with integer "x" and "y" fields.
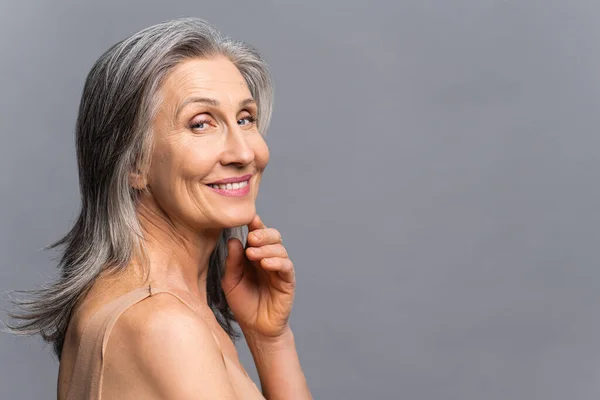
{"x": 160, "y": 338}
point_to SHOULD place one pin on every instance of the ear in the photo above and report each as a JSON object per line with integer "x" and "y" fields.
{"x": 137, "y": 180}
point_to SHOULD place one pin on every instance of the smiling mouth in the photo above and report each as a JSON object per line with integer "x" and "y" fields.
{"x": 235, "y": 189}
{"x": 229, "y": 186}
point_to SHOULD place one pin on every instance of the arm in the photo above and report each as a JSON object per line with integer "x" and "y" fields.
{"x": 173, "y": 352}
{"x": 278, "y": 366}
{"x": 259, "y": 283}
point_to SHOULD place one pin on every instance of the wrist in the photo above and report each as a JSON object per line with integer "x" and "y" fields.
{"x": 264, "y": 345}
{"x": 278, "y": 366}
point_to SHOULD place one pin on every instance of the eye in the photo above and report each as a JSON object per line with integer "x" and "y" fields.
{"x": 248, "y": 120}
{"x": 200, "y": 124}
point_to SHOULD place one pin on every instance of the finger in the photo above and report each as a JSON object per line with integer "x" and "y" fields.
{"x": 264, "y": 236}
{"x": 283, "y": 266}
{"x": 234, "y": 264}
{"x": 267, "y": 251}
{"x": 256, "y": 223}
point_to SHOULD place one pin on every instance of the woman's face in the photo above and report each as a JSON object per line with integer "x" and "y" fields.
{"x": 205, "y": 131}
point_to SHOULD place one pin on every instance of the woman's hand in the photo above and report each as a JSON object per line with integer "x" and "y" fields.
{"x": 259, "y": 282}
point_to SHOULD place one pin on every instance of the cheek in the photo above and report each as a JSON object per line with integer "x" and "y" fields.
{"x": 194, "y": 159}
{"x": 160, "y": 169}
{"x": 182, "y": 163}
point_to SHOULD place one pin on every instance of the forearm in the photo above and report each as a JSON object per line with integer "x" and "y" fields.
{"x": 278, "y": 366}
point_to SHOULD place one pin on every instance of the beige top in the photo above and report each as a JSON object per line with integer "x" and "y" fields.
{"x": 86, "y": 381}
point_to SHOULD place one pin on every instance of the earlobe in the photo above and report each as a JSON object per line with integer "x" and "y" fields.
{"x": 137, "y": 180}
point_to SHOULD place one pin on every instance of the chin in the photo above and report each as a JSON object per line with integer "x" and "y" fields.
{"x": 236, "y": 217}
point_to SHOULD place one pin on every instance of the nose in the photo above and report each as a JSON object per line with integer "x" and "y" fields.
{"x": 237, "y": 150}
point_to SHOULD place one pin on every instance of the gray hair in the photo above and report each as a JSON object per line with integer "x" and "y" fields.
{"x": 113, "y": 138}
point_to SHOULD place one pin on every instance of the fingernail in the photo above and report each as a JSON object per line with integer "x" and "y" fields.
{"x": 256, "y": 235}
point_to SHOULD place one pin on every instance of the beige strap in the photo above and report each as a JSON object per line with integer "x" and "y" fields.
{"x": 155, "y": 291}
{"x": 86, "y": 380}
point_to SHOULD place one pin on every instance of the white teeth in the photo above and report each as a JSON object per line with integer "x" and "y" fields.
{"x": 230, "y": 186}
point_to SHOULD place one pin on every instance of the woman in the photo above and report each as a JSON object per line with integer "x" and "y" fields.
{"x": 170, "y": 153}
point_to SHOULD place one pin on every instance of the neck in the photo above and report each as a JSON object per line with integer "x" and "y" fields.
{"x": 178, "y": 255}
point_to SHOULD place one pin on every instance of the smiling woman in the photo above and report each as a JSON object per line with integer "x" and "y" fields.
{"x": 171, "y": 151}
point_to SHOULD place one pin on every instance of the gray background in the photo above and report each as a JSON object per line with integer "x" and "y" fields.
{"x": 434, "y": 173}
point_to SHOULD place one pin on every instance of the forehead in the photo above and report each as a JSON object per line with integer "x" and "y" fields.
{"x": 217, "y": 78}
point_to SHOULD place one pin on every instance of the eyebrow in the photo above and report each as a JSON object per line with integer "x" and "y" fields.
{"x": 210, "y": 101}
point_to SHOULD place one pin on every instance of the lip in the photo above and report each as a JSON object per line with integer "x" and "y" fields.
{"x": 239, "y": 192}
{"x": 235, "y": 179}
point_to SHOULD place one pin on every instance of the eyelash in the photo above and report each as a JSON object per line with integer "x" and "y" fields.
{"x": 250, "y": 118}
{"x": 196, "y": 123}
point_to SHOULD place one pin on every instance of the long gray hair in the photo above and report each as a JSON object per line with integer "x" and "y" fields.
{"x": 113, "y": 138}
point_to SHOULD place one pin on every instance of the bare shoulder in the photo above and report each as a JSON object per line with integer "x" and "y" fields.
{"x": 171, "y": 348}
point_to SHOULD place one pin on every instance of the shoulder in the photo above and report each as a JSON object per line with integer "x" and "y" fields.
{"x": 161, "y": 317}
{"x": 172, "y": 349}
